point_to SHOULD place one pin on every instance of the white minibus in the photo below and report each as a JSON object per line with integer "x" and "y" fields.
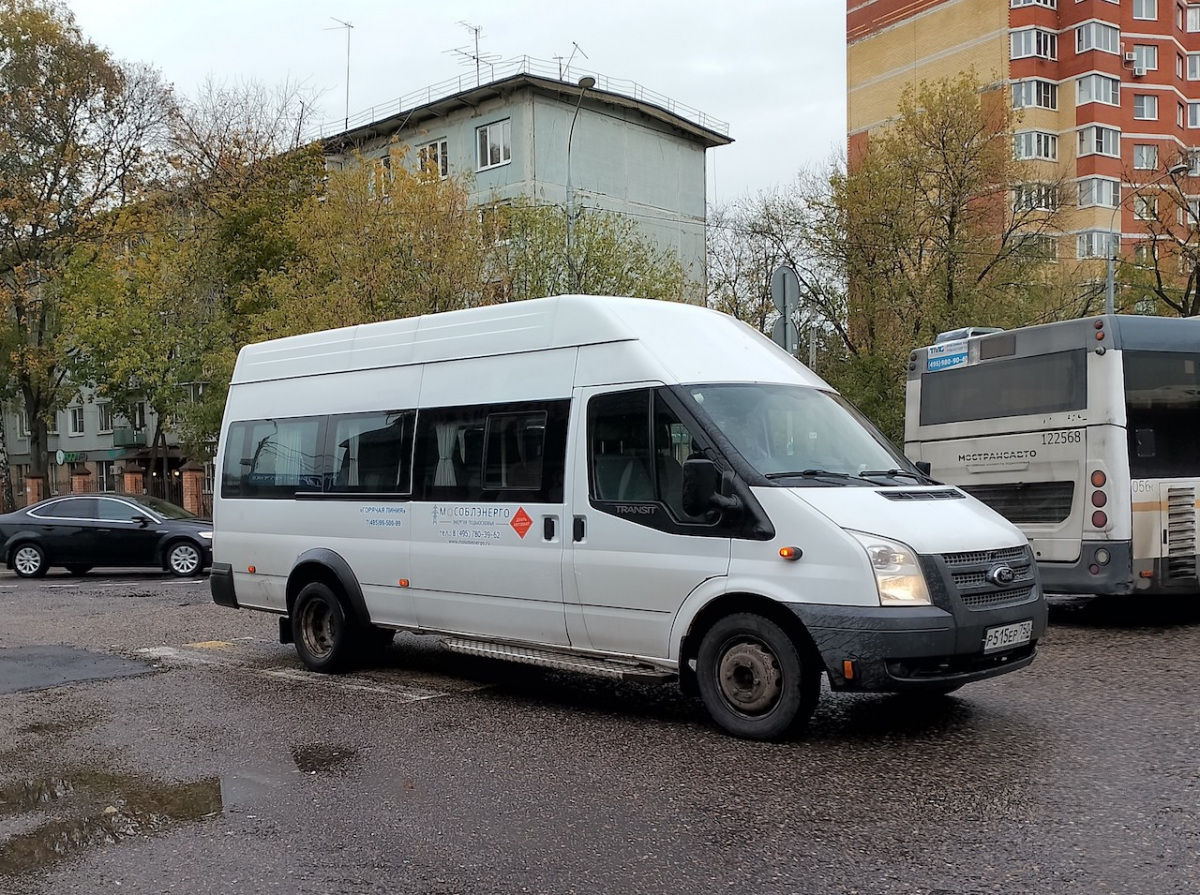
{"x": 616, "y": 486}
{"x": 1084, "y": 433}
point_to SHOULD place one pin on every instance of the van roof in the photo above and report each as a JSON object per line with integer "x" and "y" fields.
{"x": 685, "y": 343}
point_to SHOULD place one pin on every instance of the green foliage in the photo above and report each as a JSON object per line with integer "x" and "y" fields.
{"x": 77, "y": 138}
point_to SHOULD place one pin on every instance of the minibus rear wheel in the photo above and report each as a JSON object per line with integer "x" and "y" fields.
{"x": 754, "y": 679}
{"x": 321, "y": 629}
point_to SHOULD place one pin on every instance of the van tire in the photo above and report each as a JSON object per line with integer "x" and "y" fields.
{"x": 324, "y": 634}
{"x": 754, "y": 679}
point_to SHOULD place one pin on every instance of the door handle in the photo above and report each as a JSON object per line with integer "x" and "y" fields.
{"x": 578, "y": 529}
{"x": 548, "y": 528}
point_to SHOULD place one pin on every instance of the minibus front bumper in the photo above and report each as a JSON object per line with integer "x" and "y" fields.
{"x": 934, "y": 647}
{"x": 911, "y": 648}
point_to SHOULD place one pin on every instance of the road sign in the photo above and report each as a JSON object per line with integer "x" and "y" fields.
{"x": 785, "y": 293}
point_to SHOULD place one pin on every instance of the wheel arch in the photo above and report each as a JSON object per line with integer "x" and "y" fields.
{"x": 328, "y": 567}
{"x": 727, "y": 604}
{"x": 16, "y": 540}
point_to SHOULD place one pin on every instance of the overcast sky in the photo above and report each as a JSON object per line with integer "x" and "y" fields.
{"x": 775, "y": 70}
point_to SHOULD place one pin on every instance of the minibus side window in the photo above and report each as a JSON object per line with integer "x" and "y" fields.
{"x": 273, "y": 458}
{"x": 492, "y": 452}
{"x": 372, "y": 453}
{"x": 637, "y": 457}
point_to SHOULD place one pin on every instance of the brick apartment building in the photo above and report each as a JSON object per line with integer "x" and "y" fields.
{"x": 1108, "y": 93}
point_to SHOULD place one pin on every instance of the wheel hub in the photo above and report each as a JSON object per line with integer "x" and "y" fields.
{"x": 750, "y": 677}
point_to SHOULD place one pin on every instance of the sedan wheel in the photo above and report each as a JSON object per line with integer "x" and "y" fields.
{"x": 183, "y": 559}
{"x": 29, "y": 561}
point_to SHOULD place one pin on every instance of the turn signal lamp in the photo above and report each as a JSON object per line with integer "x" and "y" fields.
{"x": 1098, "y": 479}
{"x": 251, "y": 569}
{"x": 791, "y": 553}
{"x": 403, "y": 582}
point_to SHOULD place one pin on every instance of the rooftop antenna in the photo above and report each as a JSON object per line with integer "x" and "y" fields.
{"x": 476, "y": 57}
{"x": 348, "y": 27}
{"x": 564, "y": 72}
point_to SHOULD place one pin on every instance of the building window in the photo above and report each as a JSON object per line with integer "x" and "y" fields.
{"x": 1179, "y": 114}
{"x": 1099, "y": 191}
{"x": 1098, "y": 244}
{"x": 1145, "y": 9}
{"x": 23, "y": 423}
{"x": 1097, "y": 140}
{"x": 1145, "y": 56}
{"x": 1145, "y": 208}
{"x": 1193, "y": 66}
{"x": 1035, "y": 145}
{"x": 432, "y": 157}
{"x": 1193, "y": 160}
{"x": 1097, "y": 89}
{"x": 105, "y": 416}
{"x": 1034, "y": 93}
{"x": 1037, "y": 246}
{"x": 495, "y": 144}
{"x": 1035, "y": 197}
{"x": 1145, "y": 107}
{"x": 1193, "y": 18}
{"x": 1049, "y": 4}
{"x": 74, "y": 420}
{"x": 106, "y": 479}
{"x": 1145, "y": 156}
{"x": 1193, "y": 114}
{"x": 1097, "y": 36}
{"x": 1033, "y": 42}
{"x": 494, "y": 221}
{"x": 210, "y": 476}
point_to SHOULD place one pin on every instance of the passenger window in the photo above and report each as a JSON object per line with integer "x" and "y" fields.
{"x": 72, "y": 508}
{"x": 514, "y": 446}
{"x": 492, "y": 452}
{"x": 635, "y": 457}
{"x": 372, "y": 453}
{"x": 273, "y": 458}
{"x": 116, "y": 510}
{"x": 619, "y": 446}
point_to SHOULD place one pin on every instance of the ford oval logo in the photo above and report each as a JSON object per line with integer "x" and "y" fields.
{"x": 1001, "y": 575}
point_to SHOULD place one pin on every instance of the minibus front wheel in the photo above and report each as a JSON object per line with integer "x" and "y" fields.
{"x": 321, "y": 629}
{"x": 754, "y": 680}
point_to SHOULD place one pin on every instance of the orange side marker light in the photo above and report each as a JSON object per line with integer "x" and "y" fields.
{"x": 403, "y": 582}
{"x": 848, "y": 669}
{"x": 250, "y": 569}
{"x": 791, "y": 553}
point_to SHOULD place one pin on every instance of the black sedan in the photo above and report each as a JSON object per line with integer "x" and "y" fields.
{"x": 82, "y": 531}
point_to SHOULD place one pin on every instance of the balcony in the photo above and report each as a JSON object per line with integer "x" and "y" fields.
{"x": 128, "y": 437}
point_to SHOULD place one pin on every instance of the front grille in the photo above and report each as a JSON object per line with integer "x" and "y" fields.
{"x": 1024, "y": 502}
{"x": 996, "y": 599}
{"x": 974, "y": 557}
{"x": 966, "y": 578}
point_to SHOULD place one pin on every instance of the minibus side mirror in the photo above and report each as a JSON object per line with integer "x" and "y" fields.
{"x": 1145, "y": 442}
{"x": 702, "y": 488}
{"x": 924, "y": 468}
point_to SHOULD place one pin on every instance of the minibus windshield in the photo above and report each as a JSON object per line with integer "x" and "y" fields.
{"x": 797, "y": 434}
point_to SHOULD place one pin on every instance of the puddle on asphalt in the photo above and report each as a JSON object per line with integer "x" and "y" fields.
{"x": 321, "y": 759}
{"x": 92, "y": 809}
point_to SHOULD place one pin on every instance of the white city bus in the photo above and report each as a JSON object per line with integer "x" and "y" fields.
{"x": 623, "y": 487}
{"x": 1084, "y": 433}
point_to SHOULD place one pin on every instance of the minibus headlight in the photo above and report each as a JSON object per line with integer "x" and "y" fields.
{"x": 897, "y": 573}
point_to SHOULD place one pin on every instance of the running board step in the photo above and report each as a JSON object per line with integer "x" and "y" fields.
{"x": 623, "y": 671}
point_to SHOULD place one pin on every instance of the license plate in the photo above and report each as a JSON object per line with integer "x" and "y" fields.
{"x": 1007, "y": 636}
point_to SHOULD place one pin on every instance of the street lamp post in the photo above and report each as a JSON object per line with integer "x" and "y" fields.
{"x": 585, "y": 84}
{"x": 1110, "y": 283}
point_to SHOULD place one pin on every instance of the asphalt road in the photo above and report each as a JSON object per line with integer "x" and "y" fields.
{"x": 181, "y": 749}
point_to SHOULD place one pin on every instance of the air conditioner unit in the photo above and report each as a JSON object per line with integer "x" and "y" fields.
{"x": 1130, "y": 57}
{"x": 1139, "y": 71}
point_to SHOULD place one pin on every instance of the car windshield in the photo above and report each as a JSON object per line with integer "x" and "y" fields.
{"x": 785, "y": 430}
{"x": 166, "y": 509}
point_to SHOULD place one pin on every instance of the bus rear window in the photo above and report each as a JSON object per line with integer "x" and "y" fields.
{"x": 1047, "y": 383}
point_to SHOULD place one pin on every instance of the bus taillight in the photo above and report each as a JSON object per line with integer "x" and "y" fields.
{"x": 1098, "y": 479}
{"x": 1099, "y": 519}
{"x": 1099, "y": 498}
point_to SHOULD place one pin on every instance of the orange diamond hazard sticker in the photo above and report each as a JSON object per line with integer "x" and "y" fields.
{"x": 521, "y": 522}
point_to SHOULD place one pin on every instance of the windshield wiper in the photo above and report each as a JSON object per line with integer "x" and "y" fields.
{"x": 896, "y": 473}
{"x": 810, "y": 474}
